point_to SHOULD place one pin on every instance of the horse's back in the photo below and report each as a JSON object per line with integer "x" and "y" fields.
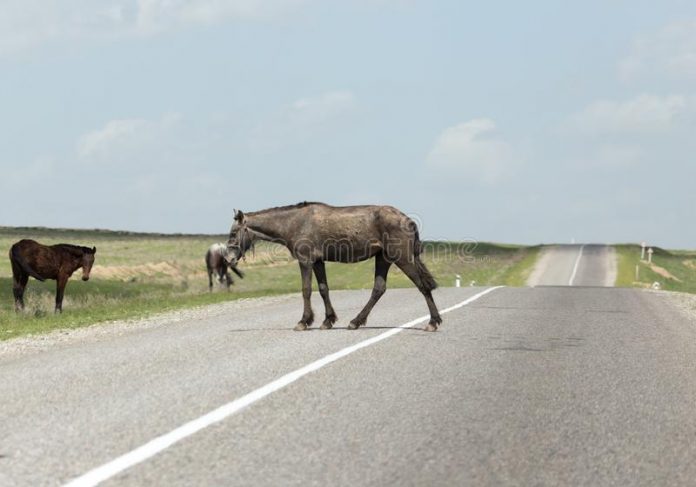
{"x": 26, "y": 249}
{"x": 27, "y": 243}
{"x": 219, "y": 248}
{"x": 214, "y": 257}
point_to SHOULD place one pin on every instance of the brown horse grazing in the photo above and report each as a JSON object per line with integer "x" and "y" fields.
{"x": 30, "y": 258}
{"x": 217, "y": 264}
{"x": 315, "y": 233}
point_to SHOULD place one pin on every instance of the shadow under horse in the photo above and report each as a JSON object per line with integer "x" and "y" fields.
{"x": 316, "y": 232}
{"x": 32, "y": 259}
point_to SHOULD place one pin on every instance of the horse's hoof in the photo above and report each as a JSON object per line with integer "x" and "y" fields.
{"x": 326, "y": 325}
{"x": 353, "y": 325}
{"x": 430, "y": 327}
{"x": 300, "y": 327}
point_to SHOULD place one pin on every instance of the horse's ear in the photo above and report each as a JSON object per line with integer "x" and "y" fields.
{"x": 239, "y": 216}
{"x": 94, "y": 250}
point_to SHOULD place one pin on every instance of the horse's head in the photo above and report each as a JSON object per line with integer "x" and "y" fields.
{"x": 241, "y": 239}
{"x": 87, "y": 261}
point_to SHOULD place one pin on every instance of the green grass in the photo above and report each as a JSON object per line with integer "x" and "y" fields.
{"x": 674, "y": 270}
{"x": 137, "y": 275}
{"x": 98, "y": 301}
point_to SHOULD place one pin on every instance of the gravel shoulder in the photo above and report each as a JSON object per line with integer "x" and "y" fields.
{"x": 31, "y": 344}
{"x": 542, "y": 264}
{"x": 684, "y": 302}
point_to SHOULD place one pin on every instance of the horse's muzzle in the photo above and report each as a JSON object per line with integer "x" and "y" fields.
{"x": 85, "y": 278}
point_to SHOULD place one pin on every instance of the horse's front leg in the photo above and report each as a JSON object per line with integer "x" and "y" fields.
{"x": 307, "y": 315}
{"x": 60, "y": 291}
{"x": 320, "y": 273}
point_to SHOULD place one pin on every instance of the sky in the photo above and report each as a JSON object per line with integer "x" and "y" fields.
{"x": 520, "y": 122}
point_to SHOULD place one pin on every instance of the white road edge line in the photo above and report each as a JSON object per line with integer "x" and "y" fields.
{"x": 161, "y": 443}
{"x": 577, "y": 265}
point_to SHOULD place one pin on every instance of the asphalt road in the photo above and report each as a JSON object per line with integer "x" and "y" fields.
{"x": 575, "y": 265}
{"x": 532, "y": 386}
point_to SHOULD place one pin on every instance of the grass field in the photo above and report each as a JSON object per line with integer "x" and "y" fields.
{"x": 137, "y": 275}
{"x": 674, "y": 270}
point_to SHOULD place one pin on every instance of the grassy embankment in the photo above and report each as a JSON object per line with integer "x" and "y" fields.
{"x": 675, "y": 270}
{"x": 137, "y": 275}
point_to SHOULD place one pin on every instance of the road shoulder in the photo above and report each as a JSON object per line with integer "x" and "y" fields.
{"x": 33, "y": 344}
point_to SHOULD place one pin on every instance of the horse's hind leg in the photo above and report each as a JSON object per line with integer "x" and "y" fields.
{"x": 307, "y": 315}
{"x": 320, "y": 273}
{"x": 228, "y": 279}
{"x": 380, "y": 286}
{"x": 19, "y": 283}
{"x": 210, "y": 280}
{"x": 415, "y": 270}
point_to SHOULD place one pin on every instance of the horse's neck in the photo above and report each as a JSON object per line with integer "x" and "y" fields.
{"x": 272, "y": 225}
{"x": 73, "y": 256}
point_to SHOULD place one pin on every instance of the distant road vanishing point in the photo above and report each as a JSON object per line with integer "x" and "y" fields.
{"x": 575, "y": 265}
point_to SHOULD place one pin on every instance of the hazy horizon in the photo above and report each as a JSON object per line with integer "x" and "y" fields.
{"x": 521, "y": 123}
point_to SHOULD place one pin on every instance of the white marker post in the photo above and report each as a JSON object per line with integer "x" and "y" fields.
{"x": 457, "y": 280}
{"x": 650, "y": 252}
{"x": 642, "y": 250}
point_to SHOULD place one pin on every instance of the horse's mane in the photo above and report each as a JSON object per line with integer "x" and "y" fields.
{"x": 76, "y": 250}
{"x": 289, "y": 207}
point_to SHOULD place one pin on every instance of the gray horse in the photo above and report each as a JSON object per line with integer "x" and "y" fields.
{"x": 217, "y": 264}
{"x": 315, "y": 233}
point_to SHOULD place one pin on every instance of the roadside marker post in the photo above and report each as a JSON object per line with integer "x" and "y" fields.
{"x": 650, "y": 252}
{"x": 642, "y": 250}
{"x": 457, "y": 280}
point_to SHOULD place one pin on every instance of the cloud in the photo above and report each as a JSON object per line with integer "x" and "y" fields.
{"x": 472, "y": 149}
{"x": 613, "y": 156}
{"x": 25, "y": 24}
{"x": 302, "y": 119}
{"x": 130, "y": 142}
{"x": 155, "y": 15}
{"x": 602, "y": 159}
{"x": 670, "y": 51}
{"x": 642, "y": 114}
{"x": 318, "y": 109}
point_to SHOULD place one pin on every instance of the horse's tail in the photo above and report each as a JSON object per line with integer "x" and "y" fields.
{"x": 17, "y": 257}
{"x": 208, "y": 260}
{"x": 428, "y": 281}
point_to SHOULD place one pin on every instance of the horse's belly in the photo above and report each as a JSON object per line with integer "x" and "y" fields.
{"x": 349, "y": 252}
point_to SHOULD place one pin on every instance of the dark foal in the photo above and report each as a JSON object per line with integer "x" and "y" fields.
{"x": 30, "y": 258}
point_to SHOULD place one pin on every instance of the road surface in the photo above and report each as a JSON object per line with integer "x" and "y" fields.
{"x": 575, "y": 265}
{"x": 521, "y": 386}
